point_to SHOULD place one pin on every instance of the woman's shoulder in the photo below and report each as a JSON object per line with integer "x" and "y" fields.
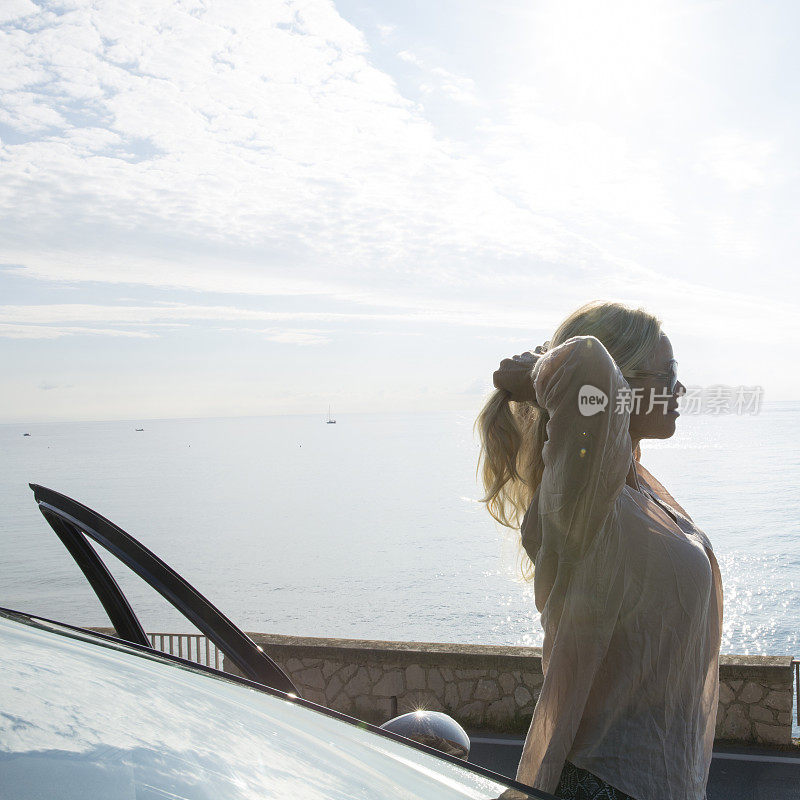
{"x": 658, "y": 488}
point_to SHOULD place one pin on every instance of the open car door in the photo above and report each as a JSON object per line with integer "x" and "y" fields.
{"x": 74, "y": 522}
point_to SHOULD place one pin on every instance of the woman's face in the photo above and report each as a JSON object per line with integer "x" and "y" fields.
{"x": 658, "y": 421}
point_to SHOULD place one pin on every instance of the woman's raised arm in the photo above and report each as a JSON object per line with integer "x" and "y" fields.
{"x": 588, "y": 453}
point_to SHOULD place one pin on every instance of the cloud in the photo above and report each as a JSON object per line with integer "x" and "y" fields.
{"x": 46, "y": 386}
{"x": 287, "y": 335}
{"x": 411, "y": 58}
{"x": 589, "y": 178}
{"x": 742, "y": 162}
{"x": 38, "y": 318}
{"x": 247, "y": 142}
{"x": 10, "y": 331}
{"x": 386, "y": 31}
{"x": 456, "y": 87}
{"x": 515, "y": 307}
{"x": 255, "y": 149}
{"x": 13, "y": 10}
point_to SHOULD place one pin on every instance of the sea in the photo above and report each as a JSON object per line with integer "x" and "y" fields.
{"x": 372, "y": 528}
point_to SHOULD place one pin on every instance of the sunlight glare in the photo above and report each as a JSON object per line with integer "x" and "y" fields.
{"x": 608, "y": 50}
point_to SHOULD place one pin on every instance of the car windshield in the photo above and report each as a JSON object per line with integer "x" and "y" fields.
{"x": 100, "y": 719}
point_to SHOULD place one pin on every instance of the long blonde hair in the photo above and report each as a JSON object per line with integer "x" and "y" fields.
{"x": 512, "y": 434}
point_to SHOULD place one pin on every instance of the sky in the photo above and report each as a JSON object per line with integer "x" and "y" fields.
{"x": 241, "y": 208}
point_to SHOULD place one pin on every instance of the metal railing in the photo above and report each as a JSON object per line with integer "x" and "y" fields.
{"x": 191, "y": 646}
{"x": 796, "y": 665}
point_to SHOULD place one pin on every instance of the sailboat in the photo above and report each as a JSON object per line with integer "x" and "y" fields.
{"x": 331, "y": 420}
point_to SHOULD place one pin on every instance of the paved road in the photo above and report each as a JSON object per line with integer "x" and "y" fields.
{"x": 736, "y": 774}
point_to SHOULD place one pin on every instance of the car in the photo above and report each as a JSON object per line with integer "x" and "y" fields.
{"x": 87, "y": 715}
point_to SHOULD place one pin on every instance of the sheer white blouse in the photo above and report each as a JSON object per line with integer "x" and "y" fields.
{"x": 630, "y": 596}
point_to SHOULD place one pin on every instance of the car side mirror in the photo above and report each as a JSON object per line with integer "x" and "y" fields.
{"x": 433, "y": 728}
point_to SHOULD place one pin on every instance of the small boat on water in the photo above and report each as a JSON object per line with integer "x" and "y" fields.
{"x": 331, "y": 420}
{"x": 139, "y": 429}
{"x": 26, "y": 434}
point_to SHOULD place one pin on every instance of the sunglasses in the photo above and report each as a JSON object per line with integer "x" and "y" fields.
{"x": 646, "y": 373}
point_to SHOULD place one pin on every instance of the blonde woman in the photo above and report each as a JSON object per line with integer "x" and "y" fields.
{"x": 628, "y": 588}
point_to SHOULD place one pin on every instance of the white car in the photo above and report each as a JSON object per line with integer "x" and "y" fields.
{"x": 84, "y": 715}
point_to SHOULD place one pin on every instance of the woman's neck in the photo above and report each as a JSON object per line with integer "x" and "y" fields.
{"x": 633, "y": 478}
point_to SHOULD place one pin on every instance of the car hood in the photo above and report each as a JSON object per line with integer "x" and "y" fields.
{"x": 90, "y": 718}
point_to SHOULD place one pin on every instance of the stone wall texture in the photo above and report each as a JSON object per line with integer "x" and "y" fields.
{"x": 489, "y": 688}
{"x": 755, "y": 699}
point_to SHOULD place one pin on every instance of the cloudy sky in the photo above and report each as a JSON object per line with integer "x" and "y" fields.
{"x": 230, "y": 208}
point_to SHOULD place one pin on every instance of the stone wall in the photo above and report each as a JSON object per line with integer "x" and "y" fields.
{"x": 755, "y": 699}
{"x": 490, "y": 688}
{"x": 483, "y": 687}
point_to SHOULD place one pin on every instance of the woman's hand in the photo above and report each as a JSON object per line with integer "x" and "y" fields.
{"x": 514, "y": 376}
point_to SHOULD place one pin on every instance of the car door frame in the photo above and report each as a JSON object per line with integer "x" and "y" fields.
{"x": 73, "y": 522}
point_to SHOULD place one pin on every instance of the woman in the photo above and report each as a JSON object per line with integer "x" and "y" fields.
{"x": 628, "y": 587}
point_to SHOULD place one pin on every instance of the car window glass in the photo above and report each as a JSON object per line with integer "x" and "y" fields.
{"x": 37, "y": 574}
{"x": 166, "y": 627}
